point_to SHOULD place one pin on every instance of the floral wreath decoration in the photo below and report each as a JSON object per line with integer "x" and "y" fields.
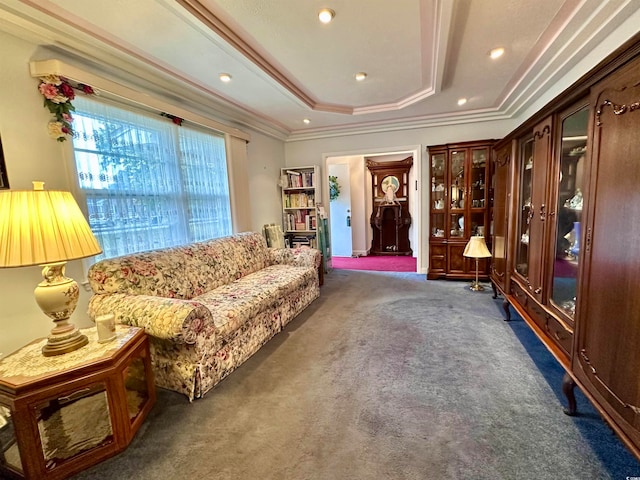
{"x": 58, "y": 93}
{"x": 334, "y": 188}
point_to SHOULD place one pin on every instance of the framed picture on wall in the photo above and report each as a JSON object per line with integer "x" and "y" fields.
{"x": 4, "y": 179}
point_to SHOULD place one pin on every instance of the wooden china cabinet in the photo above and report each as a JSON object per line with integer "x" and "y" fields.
{"x": 390, "y": 220}
{"x": 500, "y": 179}
{"x": 607, "y": 347}
{"x": 565, "y": 215}
{"x": 458, "y": 206}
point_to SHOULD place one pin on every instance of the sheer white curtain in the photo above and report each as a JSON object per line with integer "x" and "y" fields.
{"x": 148, "y": 183}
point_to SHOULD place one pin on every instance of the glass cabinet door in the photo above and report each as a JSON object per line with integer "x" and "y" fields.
{"x": 62, "y": 423}
{"x": 457, "y": 181}
{"x": 478, "y": 191}
{"x": 569, "y": 210}
{"x": 135, "y": 384}
{"x": 438, "y": 194}
{"x": 524, "y": 207}
{"x": 9, "y": 452}
{"x": 457, "y": 225}
{"x": 478, "y": 175}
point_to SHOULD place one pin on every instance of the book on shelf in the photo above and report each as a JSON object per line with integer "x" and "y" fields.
{"x": 297, "y": 241}
{"x": 300, "y": 179}
{"x": 299, "y": 200}
{"x": 300, "y": 220}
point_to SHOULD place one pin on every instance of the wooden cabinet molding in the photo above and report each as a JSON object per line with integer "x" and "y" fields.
{"x": 587, "y": 315}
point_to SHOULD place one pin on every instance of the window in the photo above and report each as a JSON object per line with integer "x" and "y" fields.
{"x": 148, "y": 183}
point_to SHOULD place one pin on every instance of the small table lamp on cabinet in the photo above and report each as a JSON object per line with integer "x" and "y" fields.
{"x": 47, "y": 228}
{"x": 476, "y": 248}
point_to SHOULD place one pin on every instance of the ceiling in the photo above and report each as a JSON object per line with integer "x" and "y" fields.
{"x": 420, "y": 56}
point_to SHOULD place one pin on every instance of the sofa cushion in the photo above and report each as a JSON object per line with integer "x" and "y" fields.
{"x": 233, "y": 304}
{"x": 182, "y": 272}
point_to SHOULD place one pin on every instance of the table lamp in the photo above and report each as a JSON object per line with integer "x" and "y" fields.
{"x": 47, "y": 228}
{"x": 476, "y": 248}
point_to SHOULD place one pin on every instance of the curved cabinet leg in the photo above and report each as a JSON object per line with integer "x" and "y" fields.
{"x": 568, "y": 386}
{"x": 495, "y": 290}
{"x": 507, "y": 312}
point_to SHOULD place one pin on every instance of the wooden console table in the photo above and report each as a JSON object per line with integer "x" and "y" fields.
{"x": 62, "y": 414}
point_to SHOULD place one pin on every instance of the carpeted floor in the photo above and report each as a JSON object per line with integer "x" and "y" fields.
{"x": 379, "y": 263}
{"x": 386, "y": 376}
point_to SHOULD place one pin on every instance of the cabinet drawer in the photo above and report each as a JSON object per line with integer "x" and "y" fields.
{"x": 537, "y": 314}
{"x": 519, "y": 294}
{"x": 560, "y": 335}
{"x": 438, "y": 254}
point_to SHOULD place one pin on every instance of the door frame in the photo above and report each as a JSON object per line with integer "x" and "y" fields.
{"x": 420, "y": 250}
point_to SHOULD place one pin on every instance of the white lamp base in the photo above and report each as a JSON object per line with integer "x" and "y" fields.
{"x": 57, "y": 296}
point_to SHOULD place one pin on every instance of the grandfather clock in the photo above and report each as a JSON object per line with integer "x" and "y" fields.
{"x": 390, "y": 218}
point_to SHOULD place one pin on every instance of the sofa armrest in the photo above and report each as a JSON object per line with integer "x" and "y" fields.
{"x": 298, "y": 257}
{"x": 180, "y": 321}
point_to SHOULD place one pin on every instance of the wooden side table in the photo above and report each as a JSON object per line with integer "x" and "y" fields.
{"x": 62, "y": 414}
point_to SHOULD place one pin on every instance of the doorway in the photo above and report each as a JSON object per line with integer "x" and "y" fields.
{"x": 359, "y": 180}
{"x": 340, "y": 210}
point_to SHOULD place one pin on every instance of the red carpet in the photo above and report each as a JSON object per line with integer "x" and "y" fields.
{"x": 377, "y": 263}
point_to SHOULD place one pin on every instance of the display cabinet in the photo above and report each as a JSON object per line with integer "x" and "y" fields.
{"x": 548, "y": 198}
{"x": 569, "y": 268}
{"x": 501, "y": 197}
{"x": 566, "y": 211}
{"x": 534, "y": 169}
{"x": 458, "y": 207}
{"x": 606, "y": 357}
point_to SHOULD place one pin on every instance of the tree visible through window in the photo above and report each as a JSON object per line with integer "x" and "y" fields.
{"x": 148, "y": 183}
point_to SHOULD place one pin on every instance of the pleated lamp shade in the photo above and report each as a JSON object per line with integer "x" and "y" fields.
{"x": 39, "y": 227}
{"x": 47, "y": 228}
{"x": 476, "y": 248}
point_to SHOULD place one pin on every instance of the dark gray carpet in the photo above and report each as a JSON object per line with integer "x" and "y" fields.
{"x": 385, "y": 376}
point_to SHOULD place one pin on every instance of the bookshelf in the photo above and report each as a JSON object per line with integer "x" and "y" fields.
{"x": 299, "y": 199}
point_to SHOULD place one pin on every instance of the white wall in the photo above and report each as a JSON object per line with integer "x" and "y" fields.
{"x": 30, "y": 155}
{"x": 266, "y": 157}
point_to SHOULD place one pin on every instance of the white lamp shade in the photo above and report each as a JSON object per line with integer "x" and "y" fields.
{"x": 39, "y": 227}
{"x": 476, "y": 248}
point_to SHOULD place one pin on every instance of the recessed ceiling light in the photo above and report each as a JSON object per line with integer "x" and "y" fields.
{"x": 307, "y": 121}
{"x": 326, "y": 15}
{"x": 360, "y": 76}
{"x": 462, "y": 101}
{"x": 225, "y": 77}
{"x": 496, "y": 53}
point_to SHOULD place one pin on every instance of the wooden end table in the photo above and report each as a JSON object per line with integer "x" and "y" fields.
{"x": 60, "y": 415}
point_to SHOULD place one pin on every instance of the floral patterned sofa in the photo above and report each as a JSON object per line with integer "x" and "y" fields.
{"x": 207, "y": 306}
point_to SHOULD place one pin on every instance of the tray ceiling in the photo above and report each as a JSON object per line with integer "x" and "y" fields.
{"x": 420, "y": 56}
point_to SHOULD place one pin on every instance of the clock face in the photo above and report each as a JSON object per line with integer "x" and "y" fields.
{"x": 390, "y": 180}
